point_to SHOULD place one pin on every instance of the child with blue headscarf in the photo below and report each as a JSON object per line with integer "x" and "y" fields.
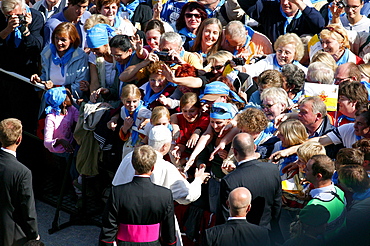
{"x": 60, "y": 117}
{"x": 221, "y": 114}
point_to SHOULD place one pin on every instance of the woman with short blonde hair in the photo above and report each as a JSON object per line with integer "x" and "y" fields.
{"x": 334, "y": 40}
{"x": 289, "y": 50}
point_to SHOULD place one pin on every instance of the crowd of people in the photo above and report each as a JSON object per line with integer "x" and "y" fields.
{"x": 253, "y": 115}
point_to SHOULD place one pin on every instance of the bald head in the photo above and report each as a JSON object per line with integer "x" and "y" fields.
{"x": 347, "y": 71}
{"x": 239, "y": 202}
{"x": 243, "y": 145}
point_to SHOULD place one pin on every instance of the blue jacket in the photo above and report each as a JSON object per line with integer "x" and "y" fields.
{"x": 268, "y": 14}
{"x": 77, "y": 69}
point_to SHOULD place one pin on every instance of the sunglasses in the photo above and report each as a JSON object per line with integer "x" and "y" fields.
{"x": 216, "y": 67}
{"x": 218, "y": 110}
{"x": 188, "y": 15}
{"x": 268, "y": 105}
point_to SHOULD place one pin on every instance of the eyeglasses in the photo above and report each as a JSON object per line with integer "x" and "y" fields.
{"x": 268, "y": 105}
{"x": 216, "y": 67}
{"x": 189, "y": 15}
{"x": 354, "y": 8}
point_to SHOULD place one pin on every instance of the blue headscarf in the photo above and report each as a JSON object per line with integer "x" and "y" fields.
{"x": 54, "y": 98}
{"x": 220, "y": 110}
{"x": 221, "y": 88}
{"x": 61, "y": 61}
{"x": 99, "y": 35}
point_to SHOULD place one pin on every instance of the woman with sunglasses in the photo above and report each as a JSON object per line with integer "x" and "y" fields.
{"x": 191, "y": 16}
{"x": 334, "y": 40}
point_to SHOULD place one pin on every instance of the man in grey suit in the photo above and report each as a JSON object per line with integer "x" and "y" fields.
{"x": 262, "y": 179}
{"x": 18, "y": 222}
{"x": 237, "y": 230}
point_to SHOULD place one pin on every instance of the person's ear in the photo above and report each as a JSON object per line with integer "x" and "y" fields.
{"x": 318, "y": 116}
{"x": 249, "y": 208}
{"x": 227, "y": 203}
{"x": 19, "y": 140}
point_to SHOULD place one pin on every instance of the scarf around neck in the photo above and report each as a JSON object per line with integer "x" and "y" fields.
{"x": 61, "y": 61}
{"x": 134, "y": 134}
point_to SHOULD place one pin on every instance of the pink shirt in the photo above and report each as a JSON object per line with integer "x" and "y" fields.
{"x": 59, "y": 126}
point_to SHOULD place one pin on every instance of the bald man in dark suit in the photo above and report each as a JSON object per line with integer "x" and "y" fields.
{"x": 237, "y": 231}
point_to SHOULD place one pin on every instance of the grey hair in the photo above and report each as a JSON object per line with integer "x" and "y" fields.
{"x": 171, "y": 37}
{"x": 321, "y": 73}
{"x": 278, "y": 95}
{"x": 235, "y": 29}
{"x": 9, "y": 5}
{"x": 318, "y": 106}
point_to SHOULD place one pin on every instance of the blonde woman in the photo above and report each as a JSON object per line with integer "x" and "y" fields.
{"x": 334, "y": 40}
{"x": 289, "y": 49}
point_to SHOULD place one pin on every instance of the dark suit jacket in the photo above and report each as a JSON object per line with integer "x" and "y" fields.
{"x": 139, "y": 202}
{"x": 264, "y": 182}
{"x": 236, "y": 233}
{"x": 18, "y": 222}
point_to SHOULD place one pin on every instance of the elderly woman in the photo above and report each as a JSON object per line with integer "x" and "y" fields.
{"x": 275, "y": 101}
{"x": 334, "y": 40}
{"x": 63, "y": 62}
{"x": 191, "y": 16}
{"x": 294, "y": 79}
{"x": 208, "y": 39}
{"x": 289, "y": 49}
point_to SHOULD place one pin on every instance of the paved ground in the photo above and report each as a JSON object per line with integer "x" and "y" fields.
{"x": 77, "y": 235}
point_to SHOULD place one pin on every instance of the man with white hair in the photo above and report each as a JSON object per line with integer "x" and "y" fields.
{"x": 319, "y": 72}
{"x": 242, "y": 41}
{"x": 165, "y": 173}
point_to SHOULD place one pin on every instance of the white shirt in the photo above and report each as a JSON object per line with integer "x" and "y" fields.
{"x": 344, "y": 134}
{"x": 324, "y": 193}
{"x": 164, "y": 174}
{"x": 362, "y": 25}
{"x": 9, "y": 151}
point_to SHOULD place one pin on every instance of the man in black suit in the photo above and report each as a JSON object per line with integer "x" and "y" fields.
{"x": 237, "y": 230}
{"x": 18, "y": 222}
{"x": 261, "y": 178}
{"x": 139, "y": 212}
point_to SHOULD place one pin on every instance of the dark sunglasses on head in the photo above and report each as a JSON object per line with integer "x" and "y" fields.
{"x": 191, "y": 15}
{"x": 218, "y": 110}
